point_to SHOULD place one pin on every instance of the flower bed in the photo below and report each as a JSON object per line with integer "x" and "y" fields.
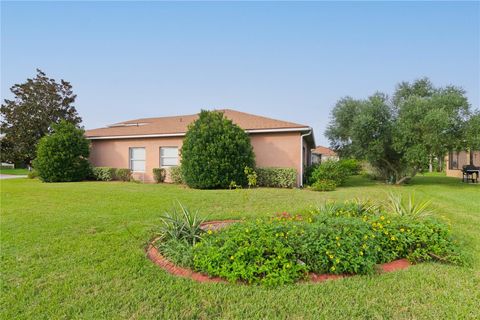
{"x": 333, "y": 241}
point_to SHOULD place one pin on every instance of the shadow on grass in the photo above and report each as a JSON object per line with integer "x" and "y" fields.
{"x": 419, "y": 180}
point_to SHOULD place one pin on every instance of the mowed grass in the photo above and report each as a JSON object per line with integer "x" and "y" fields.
{"x": 76, "y": 251}
{"x": 14, "y": 171}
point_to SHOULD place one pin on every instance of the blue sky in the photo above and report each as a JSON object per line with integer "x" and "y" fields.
{"x": 290, "y": 61}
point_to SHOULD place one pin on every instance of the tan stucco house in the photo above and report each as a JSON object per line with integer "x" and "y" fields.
{"x": 144, "y": 144}
{"x": 456, "y": 160}
{"x": 321, "y": 154}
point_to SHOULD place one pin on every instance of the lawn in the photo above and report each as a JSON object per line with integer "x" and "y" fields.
{"x": 14, "y": 171}
{"x": 76, "y": 250}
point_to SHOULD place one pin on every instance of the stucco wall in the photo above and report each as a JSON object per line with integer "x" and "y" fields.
{"x": 463, "y": 159}
{"x": 271, "y": 150}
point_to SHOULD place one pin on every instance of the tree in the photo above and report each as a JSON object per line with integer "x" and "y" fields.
{"x": 215, "y": 152}
{"x": 401, "y": 136}
{"x": 62, "y": 156}
{"x": 472, "y": 134}
{"x": 38, "y": 103}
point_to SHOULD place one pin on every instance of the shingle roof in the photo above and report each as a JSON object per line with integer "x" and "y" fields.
{"x": 324, "y": 150}
{"x": 177, "y": 125}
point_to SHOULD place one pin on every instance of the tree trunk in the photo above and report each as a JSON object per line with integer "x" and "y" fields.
{"x": 430, "y": 164}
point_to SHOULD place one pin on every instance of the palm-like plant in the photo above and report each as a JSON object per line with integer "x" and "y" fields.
{"x": 181, "y": 224}
{"x": 410, "y": 207}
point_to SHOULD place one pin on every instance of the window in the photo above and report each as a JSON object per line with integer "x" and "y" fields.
{"x": 137, "y": 159}
{"x": 453, "y": 160}
{"x": 168, "y": 156}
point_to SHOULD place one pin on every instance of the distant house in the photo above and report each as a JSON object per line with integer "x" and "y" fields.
{"x": 456, "y": 160}
{"x": 320, "y": 154}
{"x": 144, "y": 144}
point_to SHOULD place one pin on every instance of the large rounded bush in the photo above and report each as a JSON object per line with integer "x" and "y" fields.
{"x": 215, "y": 152}
{"x": 62, "y": 156}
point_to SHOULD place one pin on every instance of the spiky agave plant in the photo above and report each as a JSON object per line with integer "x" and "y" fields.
{"x": 409, "y": 207}
{"x": 181, "y": 224}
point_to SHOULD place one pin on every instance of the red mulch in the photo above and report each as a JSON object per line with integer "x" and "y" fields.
{"x": 171, "y": 268}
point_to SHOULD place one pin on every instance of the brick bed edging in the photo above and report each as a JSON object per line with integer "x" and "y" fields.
{"x": 156, "y": 257}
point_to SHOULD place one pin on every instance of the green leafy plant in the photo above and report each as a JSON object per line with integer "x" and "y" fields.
{"x": 62, "y": 156}
{"x": 175, "y": 175}
{"x": 251, "y": 177}
{"x": 181, "y": 224}
{"x": 103, "y": 173}
{"x": 324, "y": 185}
{"x": 215, "y": 151}
{"x": 123, "y": 174}
{"x": 159, "y": 174}
{"x": 408, "y": 207}
{"x": 276, "y": 177}
{"x": 32, "y": 174}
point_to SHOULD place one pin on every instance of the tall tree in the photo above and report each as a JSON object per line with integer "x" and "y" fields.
{"x": 472, "y": 134}
{"x": 399, "y": 137}
{"x": 38, "y": 103}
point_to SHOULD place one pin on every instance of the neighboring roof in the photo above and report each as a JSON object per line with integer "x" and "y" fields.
{"x": 324, "y": 151}
{"x": 177, "y": 126}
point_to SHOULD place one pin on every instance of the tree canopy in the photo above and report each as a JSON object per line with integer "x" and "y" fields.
{"x": 38, "y": 103}
{"x": 400, "y": 136}
{"x": 215, "y": 152}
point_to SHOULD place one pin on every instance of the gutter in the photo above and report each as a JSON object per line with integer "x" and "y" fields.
{"x": 181, "y": 134}
{"x": 301, "y": 155}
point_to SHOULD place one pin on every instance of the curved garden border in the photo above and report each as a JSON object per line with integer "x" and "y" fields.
{"x": 156, "y": 257}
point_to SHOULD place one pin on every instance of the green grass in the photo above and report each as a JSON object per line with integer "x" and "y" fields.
{"x": 76, "y": 250}
{"x": 14, "y": 171}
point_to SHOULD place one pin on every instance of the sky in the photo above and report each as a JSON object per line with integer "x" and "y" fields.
{"x": 286, "y": 60}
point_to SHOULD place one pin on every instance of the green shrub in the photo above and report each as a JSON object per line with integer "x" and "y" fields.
{"x": 159, "y": 174}
{"x": 180, "y": 225}
{"x": 324, "y": 185}
{"x": 254, "y": 252}
{"x": 62, "y": 156}
{"x": 329, "y": 170}
{"x": 123, "y": 174}
{"x": 215, "y": 152}
{"x": 103, "y": 173}
{"x": 175, "y": 174}
{"x": 352, "y": 166}
{"x": 32, "y": 174}
{"x": 251, "y": 177}
{"x": 276, "y": 177}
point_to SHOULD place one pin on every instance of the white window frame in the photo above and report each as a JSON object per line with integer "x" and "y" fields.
{"x": 164, "y": 157}
{"x": 131, "y": 160}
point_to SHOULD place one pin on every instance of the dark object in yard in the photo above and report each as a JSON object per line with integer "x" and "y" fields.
{"x": 470, "y": 173}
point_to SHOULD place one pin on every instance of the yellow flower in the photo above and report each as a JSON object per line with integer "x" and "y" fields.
{"x": 402, "y": 230}
{"x": 338, "y": 244}
{"x": 382, "y": 218}
{"x": 330, "y": 256}
{"x": 361, "y": 253}
{"x": 337, "y": 261}
{"x": 232, "y": 257}
{"x": 386, "y": 232}
{"x": 393, "y": 238}
{"x": 338, "y": 238}
{"x": 388, "y": 221}
{"x": 365, "y": 237}
{"x": 364, "y": 246}
{"x": 332, "y": 268}
{"x": 209, "y": 231}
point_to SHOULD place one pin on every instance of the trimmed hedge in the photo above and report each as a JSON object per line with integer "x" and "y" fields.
{"x": 175, "y": 174}
{"x": 159, "y": 174}
{"x": 123, "y": 174}
{"x": 103, "y": 173}
{"x": 276, "y": 177}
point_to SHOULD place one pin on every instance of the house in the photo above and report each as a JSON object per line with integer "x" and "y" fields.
{"x": 320, "y": 154}
{"x": 144, "y": 144}
{"x": 456, "y": 160}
